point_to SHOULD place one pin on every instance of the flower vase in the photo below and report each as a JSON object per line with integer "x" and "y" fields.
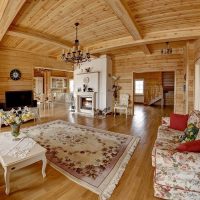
{"x": 15, "y": 130}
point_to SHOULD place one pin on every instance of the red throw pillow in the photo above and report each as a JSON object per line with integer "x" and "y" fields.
{"x": 178, "y": 122}
{"x": 193, "y": 146}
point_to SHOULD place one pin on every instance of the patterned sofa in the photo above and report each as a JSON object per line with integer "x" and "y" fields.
{"x": 177, "y": 174}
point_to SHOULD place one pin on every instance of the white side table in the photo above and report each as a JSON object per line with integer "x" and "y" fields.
{"x": 11, "y": 164}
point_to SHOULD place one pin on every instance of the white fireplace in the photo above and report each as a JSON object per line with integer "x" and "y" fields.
{"x": 93, "y": 87}
{"x": 85, "y": 102}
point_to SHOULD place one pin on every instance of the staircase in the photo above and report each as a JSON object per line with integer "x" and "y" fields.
{"x": 155, "y": 100}
{"x": 154, "y": 94}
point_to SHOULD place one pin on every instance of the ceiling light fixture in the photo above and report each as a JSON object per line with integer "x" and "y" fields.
{"x": 167, "y": 50}
{"x": 76, "y": 55}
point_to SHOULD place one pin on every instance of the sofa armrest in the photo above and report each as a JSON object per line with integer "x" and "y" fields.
{"x": 165, "y": 121}
{"x": 184, "y": 161}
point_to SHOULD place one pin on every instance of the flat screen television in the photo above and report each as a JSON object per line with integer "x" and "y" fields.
{"x": 16, "y": 99}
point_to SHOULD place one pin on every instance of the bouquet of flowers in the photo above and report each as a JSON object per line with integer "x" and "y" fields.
{"x": 16, "y": 117}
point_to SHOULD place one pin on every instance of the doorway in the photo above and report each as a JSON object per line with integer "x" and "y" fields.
{"x": 154, "y": 88}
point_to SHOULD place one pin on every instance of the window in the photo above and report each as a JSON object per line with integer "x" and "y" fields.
{"x": 139, "y": 87}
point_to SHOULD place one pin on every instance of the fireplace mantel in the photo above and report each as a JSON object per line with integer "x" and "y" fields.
{"x": 79, "y": 102}
{"x": 86, "y": 93}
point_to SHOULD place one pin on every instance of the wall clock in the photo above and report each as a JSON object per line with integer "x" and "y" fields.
{"x": 15, "y": 74}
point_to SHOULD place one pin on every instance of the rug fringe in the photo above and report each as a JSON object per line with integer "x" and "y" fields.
{"x": 106, "y": 194}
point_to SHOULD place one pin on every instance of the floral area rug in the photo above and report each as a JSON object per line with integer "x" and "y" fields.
{"x": 93, "y": 158}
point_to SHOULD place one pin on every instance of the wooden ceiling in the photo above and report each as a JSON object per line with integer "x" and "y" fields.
{"x": 106, "y": 26}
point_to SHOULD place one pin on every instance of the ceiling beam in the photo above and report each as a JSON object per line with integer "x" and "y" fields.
{"x": 9, "y": 10}
{"x": 36, "y": 59}
{"x": 38, "y": 37}
{"x": 153, "y": 38}
{"x": 3, "y": 4}
{"x": 126, "y": 19}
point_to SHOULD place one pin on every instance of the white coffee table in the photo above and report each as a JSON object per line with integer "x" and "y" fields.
{"x": 11, "y": 164}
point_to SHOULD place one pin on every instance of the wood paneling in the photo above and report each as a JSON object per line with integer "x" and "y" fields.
{"x": 39, "y": 72}
{"x": 125, "y": 65}
{"x": 62, "y": 74}
{"x": 121, "y": 29}
{"x": 190, "y": 76}
{"x": 104, "y": 25}
{"x": 127, "y": 21}
{"x": 152, "y": 16}
{"x": 57, "y": 18}
{"x": 153, "y": 38}
{"x": 8, "y": 11}
{"x": 197, "y": 50}
{"x": 25, "y": 62}
{"x": 37, "y": 37}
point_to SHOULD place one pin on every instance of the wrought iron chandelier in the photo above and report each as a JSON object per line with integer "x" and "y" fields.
{"x": 167, "y": 50}
{"x": 76, "y": 55}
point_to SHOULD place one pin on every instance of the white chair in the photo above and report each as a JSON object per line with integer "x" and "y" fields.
{"x": 41, "y": 100}
{"x": 49, "y": 100}
{"x": 36, "y": 113}
{"x": 70, "y": 101}
{"x": 123, "y": 104}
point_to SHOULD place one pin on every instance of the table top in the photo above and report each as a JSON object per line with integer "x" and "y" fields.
{"x": 7, "y": 160}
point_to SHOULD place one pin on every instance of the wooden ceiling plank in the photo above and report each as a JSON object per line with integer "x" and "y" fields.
{"x": 35, "y": 36}
{"x": 157, "y": 37}
{"x": 3, "y": 5}
{"x": 34, "y": 9}
{"x": 48, "y": 10}
{"x": 10, "y": 11}
{"x": 152, "y": 16}
{"x": 123, "y": 14}
{"x": 40, "y": 46}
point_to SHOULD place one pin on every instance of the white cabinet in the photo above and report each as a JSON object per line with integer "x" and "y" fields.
{"x": 58, "y": 82}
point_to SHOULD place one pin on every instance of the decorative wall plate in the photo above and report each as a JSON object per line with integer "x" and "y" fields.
{"x": 15, "y": 74}
{"x": 86, "y": 80}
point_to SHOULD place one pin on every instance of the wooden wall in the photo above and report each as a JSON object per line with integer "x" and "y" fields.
{"x": 190, "y": 74}
{"x": 25, "y": 62}
{"x": 125, "y": 65}
{"x": 56, "y": 73}
{"x": 192, "y": 55}
{"x": 197, "y": 50}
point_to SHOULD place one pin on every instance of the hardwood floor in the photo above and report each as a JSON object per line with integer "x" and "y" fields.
{"x": 136, "y": 182}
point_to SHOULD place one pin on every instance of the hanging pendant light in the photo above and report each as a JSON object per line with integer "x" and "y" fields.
{"x": 76, "y": 55}
{"x": 167, "y": 50}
